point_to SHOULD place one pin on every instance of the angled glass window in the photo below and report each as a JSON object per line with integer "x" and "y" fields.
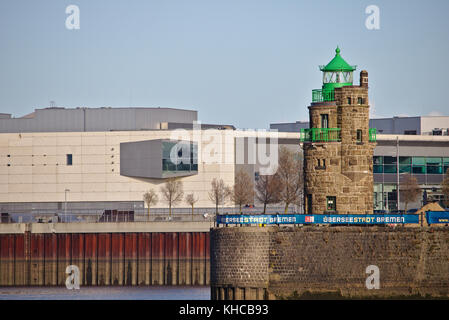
{"x": 179, "y": 156}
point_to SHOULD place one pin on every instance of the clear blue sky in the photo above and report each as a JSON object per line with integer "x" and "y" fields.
{"x": 244, "y": 62}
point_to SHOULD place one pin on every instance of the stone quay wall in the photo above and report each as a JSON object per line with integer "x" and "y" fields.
{"x": 312, "y": 261}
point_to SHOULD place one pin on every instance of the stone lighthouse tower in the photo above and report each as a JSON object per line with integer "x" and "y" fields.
{"x": 338, "y": 147}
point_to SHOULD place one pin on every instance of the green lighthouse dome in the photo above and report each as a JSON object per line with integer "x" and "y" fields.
{"x": 337, "y": 73}
{"x": 337, "y": 64}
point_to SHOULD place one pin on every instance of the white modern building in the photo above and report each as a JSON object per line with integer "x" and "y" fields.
{"x": 107, "y": 158}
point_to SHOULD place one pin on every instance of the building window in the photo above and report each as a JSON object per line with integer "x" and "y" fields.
{"x": 410, "y": 132}
{"x": 349, "y": 100}
{"x": 405, "y": 165}
{"x": 321, "y": 164}
{"x": 433, "y": 166}
{"x": 69, "y": 159}
{"x": 359, "y": 135}
{"x": 419, "y": 165}
{"x": 325, "y": 121}
{"x": 184, "y": 157}
{"x": 360, "y": 100}
{"x": 378, "y": 164}
{"x": 413, "y": 165}
{"x": 390, "y": 165}
{"x": 331, "y": 203}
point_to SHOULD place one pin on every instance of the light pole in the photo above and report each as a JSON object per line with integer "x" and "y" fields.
{"x": 397, "y": 170}
{"x": 65, "y": 203}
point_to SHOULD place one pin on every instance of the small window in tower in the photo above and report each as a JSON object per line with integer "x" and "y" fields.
{"x": 331, "y": 203}
{"x": 325, "y": 121}
{"x": 349, "y": 100}
{"x": 359, "y": 135}
{"x": 69, "y": 159}
{"x": 360, "y": 100}
{"x": 321, "y": 164}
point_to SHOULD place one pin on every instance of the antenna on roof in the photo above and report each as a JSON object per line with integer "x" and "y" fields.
{"x": 52, "y": 104}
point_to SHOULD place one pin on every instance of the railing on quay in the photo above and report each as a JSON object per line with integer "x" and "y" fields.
{"x": 134, "y": 215}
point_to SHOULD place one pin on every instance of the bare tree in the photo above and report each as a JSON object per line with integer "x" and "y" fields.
{"x": 445, "y": 188}
{"x": 291, "y": 177}
{"x": 267, "y": 190}
{"x": 409, "y": 189}
{"x": 219, "y": 193}
{"x": 243, "y": 190}
{"x": 151, "y": 199}
{"x": 191, "y": 200}
{"x": 172, "y": 192}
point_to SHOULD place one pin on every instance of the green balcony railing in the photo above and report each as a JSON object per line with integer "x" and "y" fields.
{"x": 372, "y": 134}
{"x": 319, "y": 95}
{"x": 328, "y": 135}
{"x": 320, "y": 135}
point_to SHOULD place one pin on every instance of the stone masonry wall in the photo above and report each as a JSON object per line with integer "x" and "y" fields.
{"x": 341, "y": 169}
{"x": 291, "y": 261}
{"x": 239, "y": 263}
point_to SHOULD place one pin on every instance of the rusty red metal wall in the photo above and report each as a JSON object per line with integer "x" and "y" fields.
{"x": 176, "y": 258}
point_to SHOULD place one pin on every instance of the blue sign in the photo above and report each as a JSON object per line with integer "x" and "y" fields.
{"x": 356, "y": 219}
{"x": 437, "y": 217}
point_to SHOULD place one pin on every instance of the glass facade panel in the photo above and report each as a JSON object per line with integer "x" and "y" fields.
{"x": 390, "y": 168}
{"x": 378, "y": 205}
{"x": 419, "y": 160}
{"x": 378, "y": 160}
{"x": 419, "y": 169}
{"x": 445, "y": 165}
{"x": 389, "y": 160}
{"x": 434, "y": 169}
{"x": 433, "y": 161}
{"x": 378, "y": 168}
{"x": 414, "y": 165}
